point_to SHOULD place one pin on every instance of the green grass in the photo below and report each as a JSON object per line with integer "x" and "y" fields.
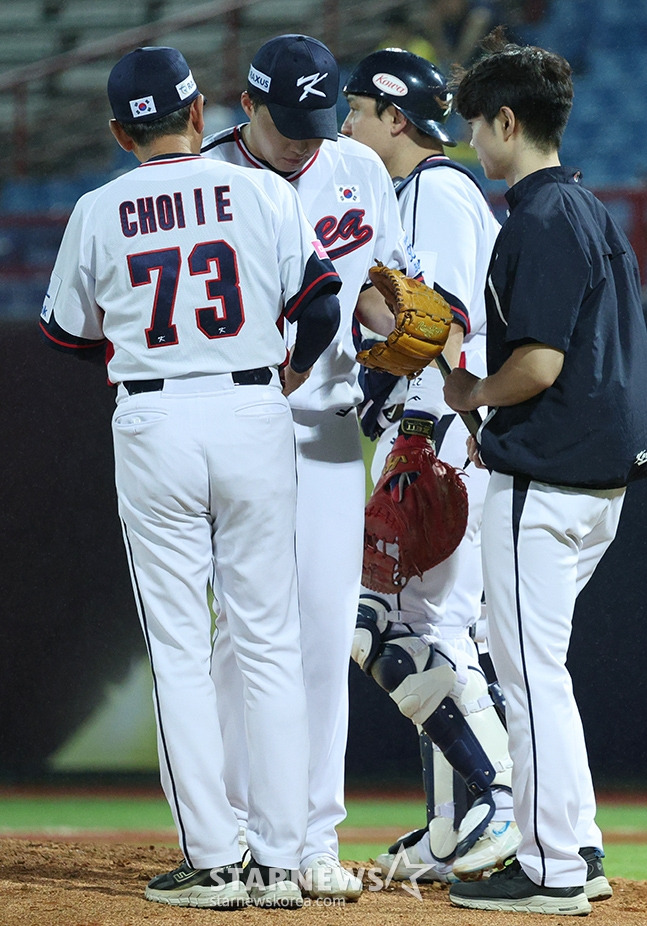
{"x": 410, "y": 814}
{"x": 61, "y": 813}
{"x": 623, "y": 859}
{"x": 71, "y": 812}
{"x": 402, "y": 814}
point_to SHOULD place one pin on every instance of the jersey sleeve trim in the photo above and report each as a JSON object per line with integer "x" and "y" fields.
{"x": 458, "y": 309}
{"x": 59, "y": 339}
{"x": 320, "y": 276}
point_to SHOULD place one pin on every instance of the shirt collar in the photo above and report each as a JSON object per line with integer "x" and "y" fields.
{"x": 172, "y": 156}
{"x": 258, "y": 162}
{"x": 540, "y": 178}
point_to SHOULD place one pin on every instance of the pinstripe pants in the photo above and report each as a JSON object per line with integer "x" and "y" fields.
{"x": 540, "y": 546}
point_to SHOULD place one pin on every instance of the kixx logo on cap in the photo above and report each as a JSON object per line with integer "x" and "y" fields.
{"x": 297, "y": 78}
{"x": 150, "y": 83}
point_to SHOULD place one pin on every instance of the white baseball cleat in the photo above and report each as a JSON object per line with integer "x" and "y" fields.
{"x": 326, "y": 877}
{"x": 405, "y": 860}
{"x": 491, "y": 850}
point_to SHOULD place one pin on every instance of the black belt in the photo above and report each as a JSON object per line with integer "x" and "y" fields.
{"x": 261, "y": 376}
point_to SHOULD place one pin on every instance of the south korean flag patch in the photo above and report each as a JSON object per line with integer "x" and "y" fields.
{"x": 142, "y": 107}
{"x": 348, "y": 194}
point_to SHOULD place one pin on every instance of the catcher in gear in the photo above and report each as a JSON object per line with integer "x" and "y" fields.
{"x": 423, "y": 321}
{"x": 427, "y": 627}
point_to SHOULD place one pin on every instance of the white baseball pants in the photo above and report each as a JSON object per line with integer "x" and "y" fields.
{"x": 205, "y": 471}
{"x": 330, "y": 531}
{"x": 540, "y": 546}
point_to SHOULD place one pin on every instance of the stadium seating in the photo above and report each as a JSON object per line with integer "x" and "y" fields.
{"x": 605, "y": 41}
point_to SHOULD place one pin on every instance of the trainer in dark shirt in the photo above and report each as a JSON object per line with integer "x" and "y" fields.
{"x": 567, "y": 429}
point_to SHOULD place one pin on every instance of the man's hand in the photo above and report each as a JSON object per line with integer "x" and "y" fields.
{"x": 291, "y": 379}
{"x": 459, "y": 390}
{"x": 474, "y": 454}
{"x": 373, "y": 312}
{"x": 529, "y": 370}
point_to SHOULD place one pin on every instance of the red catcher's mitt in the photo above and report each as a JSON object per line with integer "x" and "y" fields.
{"x": 419, "y": 506}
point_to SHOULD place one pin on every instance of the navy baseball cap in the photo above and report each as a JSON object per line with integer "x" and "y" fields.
{"x": 298, "y": 79}
{"x": 149, "y": 83}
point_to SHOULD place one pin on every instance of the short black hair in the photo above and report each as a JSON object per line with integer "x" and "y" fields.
{"x": 534, "y": 83}
{"x": 381, "y": 105}
{"x": 143, "y": 133}
{"x": 256, "y": 98}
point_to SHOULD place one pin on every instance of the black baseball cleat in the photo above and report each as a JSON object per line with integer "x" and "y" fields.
{"x": 512, "y": 890}
{"x": 200, "y": 887}
{"x": 272, "y": 887}
{"x": 597, "y": 887}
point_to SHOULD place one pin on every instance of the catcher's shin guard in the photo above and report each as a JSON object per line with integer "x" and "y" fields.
{"x": 484, "y": 720}
{"x": 446, "y": 797}
{"x": 476, "y": 704}
{"x": 428, "y": 777}
{"x": 404, "y": 666}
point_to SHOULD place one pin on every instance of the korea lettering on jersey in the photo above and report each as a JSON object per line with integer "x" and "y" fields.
{"x": 184, "y": 237}
{"x": 348, "y": 197}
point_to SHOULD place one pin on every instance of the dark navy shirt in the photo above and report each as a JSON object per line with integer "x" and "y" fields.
{"x": 564, "y": 274}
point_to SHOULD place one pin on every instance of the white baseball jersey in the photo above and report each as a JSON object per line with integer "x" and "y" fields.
{"x": 214, "y": 306}
{"x": 348, "y": 197}
{"x": 452, "y": 231}
{"x": 187, "y": 267}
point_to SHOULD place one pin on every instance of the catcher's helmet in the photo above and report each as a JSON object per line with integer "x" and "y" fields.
{"x": 411, "y": 83}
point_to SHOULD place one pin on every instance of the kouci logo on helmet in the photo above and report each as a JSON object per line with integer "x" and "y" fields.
{"x": 298, "y": 80}
{"x": 411, "y": 83}
{"x": 149, "y": 83}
